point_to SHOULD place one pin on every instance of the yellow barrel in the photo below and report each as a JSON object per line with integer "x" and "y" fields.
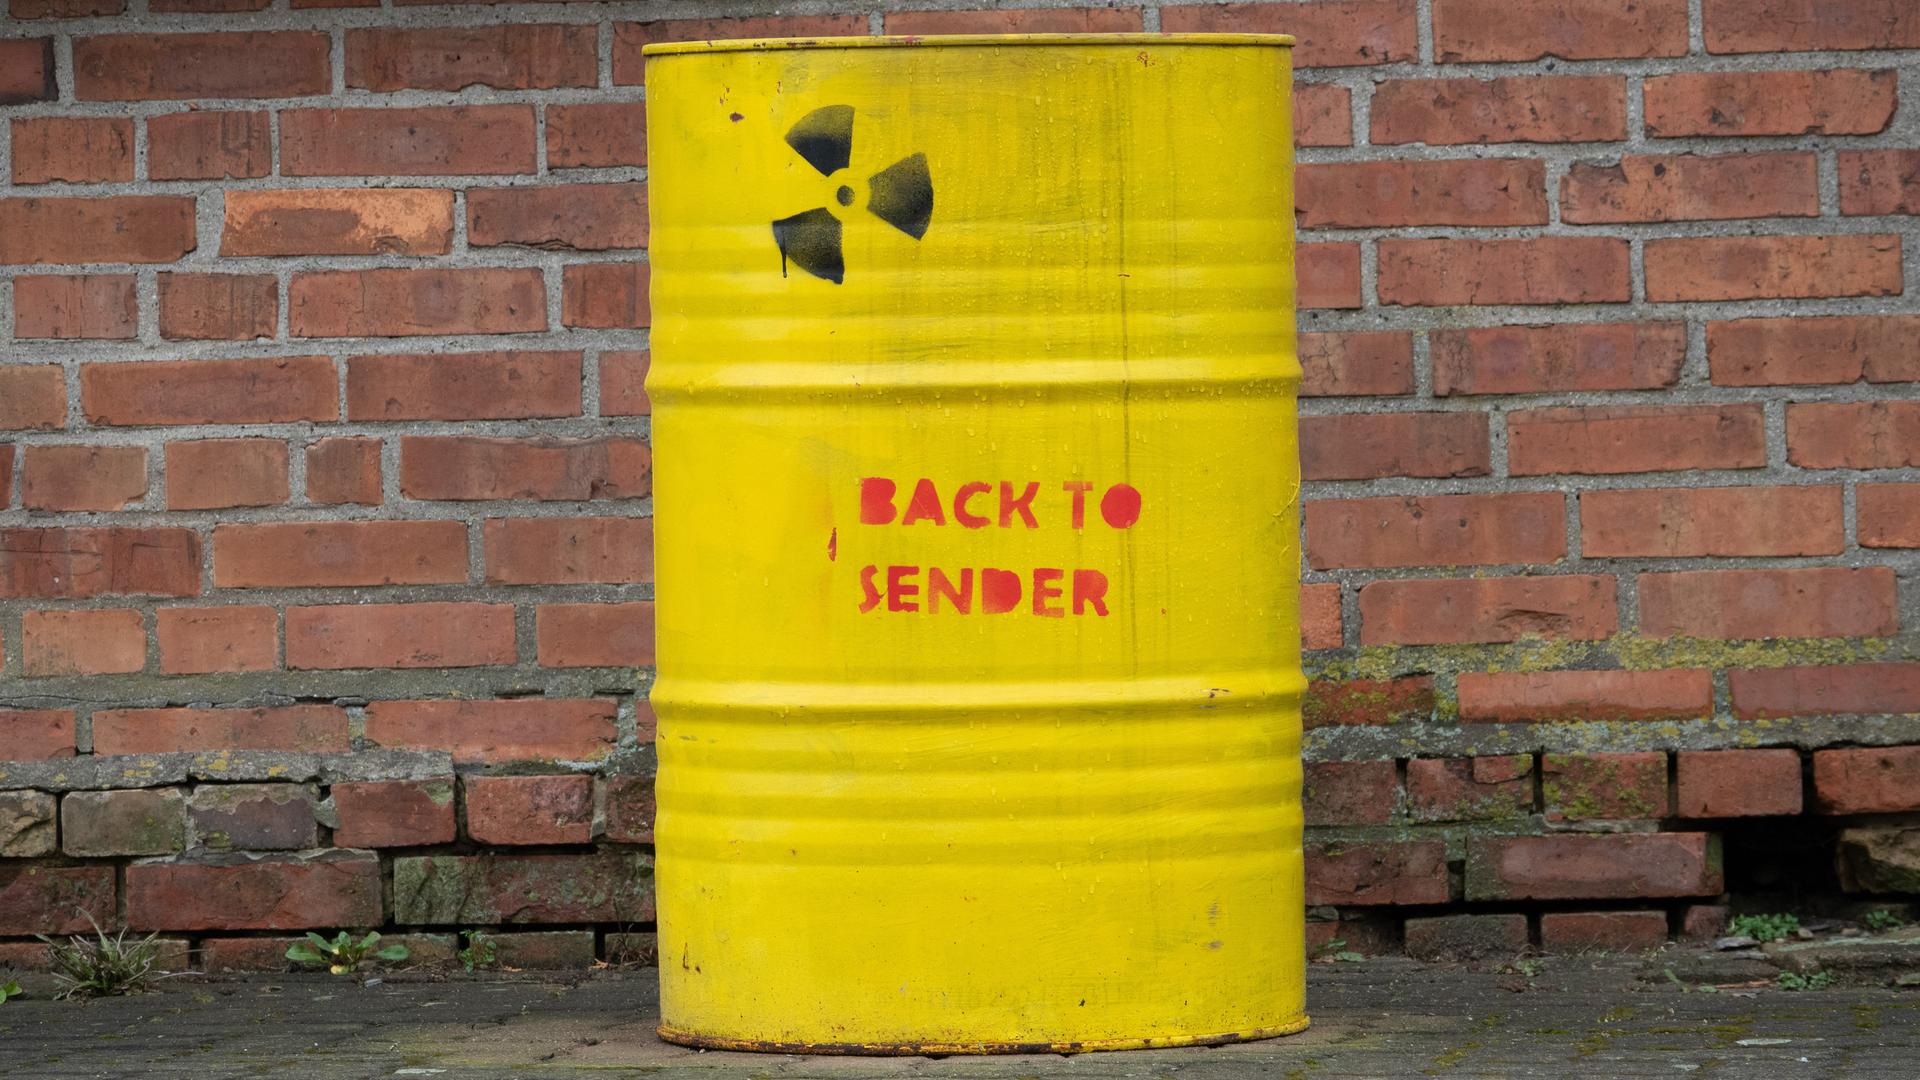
{"x": 979, "y": 675}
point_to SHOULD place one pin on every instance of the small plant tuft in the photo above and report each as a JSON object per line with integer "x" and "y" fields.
{"x": 1764, "y": 928}
{"x": 478, "y": 951}
{"x": 343, "y": 955}
{"x": 1792, "y": 980}
{"x": 103, "y": 966}
{"x": 1881, "y": 920}
{"x": 8, "y": 990}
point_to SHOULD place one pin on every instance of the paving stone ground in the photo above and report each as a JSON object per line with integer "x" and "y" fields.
{"x": 1381, "y": 1018}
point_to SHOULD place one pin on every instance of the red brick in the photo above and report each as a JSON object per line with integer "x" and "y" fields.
{"x": 493, "y": 889}
{"x": 478, "y": 468}
{"x": 338, "y": 221}
{"x": 336, "y": 888}
{"x": 208, "y": 5}
{"x": 105, "y": 823}
{"x": 599, "y": 135}
{"x": 36, "y": 734}
{"x": 1821, "y": 601}
{"x": 1887, "y": 515}
{"x": 1453, "y": 112}
{"x": 1437, "y": 530}
{"x": 1330, "y": 33}
{"x": 149, "y": 66}
{"x": 1854, "y": 434}
{"x": 505, "y": 56}
{"x": 209, "y": 146}
{"x": 27, "y": 71}
{"x": 1834, "y": 102}
{"x": 1366, "y": 446}
{"x": 623, "y": 384}
{"x": 1497, "y": 30}
{"x": 1450, "y": 938}
{"x": 1350, "y": 792}
{"x": 1724, "y": 522}
{"x": 1470, "y": 789}
{"x": 294, "y": 554}
{"x": 216, "y": 474}
{"x": 205, "y": 641}
{"x": 1574, "y": 356}
{"x": 1320, "y": 616}
{"x": 605, "y": 296}
{"x": 228, "y": 307}
{"x": 1738, "y": 26}
{"x": 77, "y": 306}
{"x": 1576, "y": 867}
{"x": 277, "y": 390}
{"x": 1358, "y": 364}
{"x": 254, "y": 817}
{"x": 1867, "y": 780}
{"x": 479, "y": 732}
{"x": 1584, "y": 696}
{"x": 1611, "y": 439}
{"x": 455, "y": 140}
{"x": 345, "y": 470}
{"x": 76, "y": 149}
{"x": 1367, "y": 701}
{"x": 464, "y": 386}
{"x": 1736, "y": 783}
{"x": 1384, "y": 873}
{"x": 109, "y": 641}
{"x": 315, "y": 728}
{"x": 340, "y": 637}
{"x": 393, "y": 813}
{"x": 1329, "y": 275}
{"x": 6, "y": 475}
{"x": 413, "y": 302}
{"x": 1322, "y": 115}
{"x": 564, "y": 217}
{"x": 1690, "y": 187}
{"x": 1879, "y": 181}
{"x": 1824, "y": 349}
{"x": 1703, "y": 922}
{"x": 630, "y": 809}
{"x": 1604, "y": 787}
{"x": 82, "y": 563}
{"x": 1470, "y": 610}
{"x": 64, "y": 9}
{"x": 510, "y": 810}
{"x": 1825, "y": 690}
{"x": 1377, "y": 194}
{"x": 32, "y": 397}
{"x": 269, "y": 954}
{"x": 55, "y": 899}
{"x": 1769, "y": 267}
{"x": 569, "y": 551}
{"x": 629, "y": 37}
{"x": 595, "y": 635}
{"x": 1608, "y": 931}
{"x": 1001, "y": 21}
{"x": 82, "y": 477}
{"x": 1539, "y": 270}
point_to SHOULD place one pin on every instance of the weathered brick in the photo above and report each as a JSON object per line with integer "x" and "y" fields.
{"x": 623, "y": 384}
{"x": 464, "y": 386}
{"x": 599, "y": 135}
{"x": 595, "y": 635}
{"x": 1740, "y": 26}
{"x": 1365, "y": 363}
{"x": 393, "y": 813}
{"x": 1867, "y": 780}
{"x": 506, "y": 57}
{"x": 238, "y": 892}
{"x": 76, "y": 149}
{"x": 510, "y": 810}
{"x": 338, "y": 221}
{"x": 1703, "y": 922}
{"x": 1349, "y": 792}
{"x": 1879, "y": 181}
{"x": 1736, "y": 783}
{"x": 320, "y": 728}
{"x": 1724, "y": 522}
{"x": 77, "y": 306}
{"x": 459, "y": 140}
{"x": 99, "y": 641}
{"x": 203, "y": 641}
{"x": 1367, "y": 701}
{"x": 412, "y": 302}
{"x": 523, "y": 729}
{"x": 1470, "y": 789}
{"x": 204, "y": 145}
{"x": 1461, "y": 611}
{"x": 1322, "y": 115}
{"x": 1854, "y": 434}
{"x": 1328, "y": 275}
{"x": 1382, "y": 873}
{"x": 1385, "y": 194}
{"x": 227, "y": 307}
{"x": 1612, "y": 439}
{"x": 293, "y": 554}
{"x": 1589, "y": 867}
{"x": 1518, "y": 30}
{"x": 1454, "y": 938}
{"x": 1604, "y": 786}
{"x": 1772, "y": 267}
{"x": 545, "y": 950}
{"x": 28, "y": 824}
{"x": 1539, "y": 359}
{"x": 254, "y": 817}
{"x": 430, "y": 635}
{"x": 1690, "y": 187}
{"x": 269, "y": 954}
{"x": 568, "y": 551}
{"x": 32, "y": 396}
{"x": 1537, "y": 270}
{"x": 1437, "y": 530}
{"x": 1829, "y": 102}
{"x": 151, "y": 821}
{"x": 1001, "y": 21}
{"x": 1887, "y": 515}
{"x": 73, "y": 477}
{"x": 27, "y": 71}
{"x": 1820, "y": 349}
{"x": 64, "y": 9}
{"x": 86, "y": 562}
{"x": 1540, "y": 109}
{"x": 630, "y": 809}
{"x": 473, "y": 467}
{"x": 215, "y": 474}
{"x": 629, "y": 69}
{"x": 150, "y": 66}
{"x": 1329, "y": 33}
{"x": 605, "y": 296}
{"x": 516, "y": 889}
{"x": 278, "y": 390}
{"x": 36, "y": 734}
{"x": 566, "y": 217}
{"x": 1366, "y": 446}
{"x": 1825, "y": 689}
{"x": 55, "y": 899}
{"x": 1608, "y": 931}
{"x": 1320, "y": 616}
{"x": 1817, "y": 601}
{"x": 345, "y": 470}
{"x": 1584, "y": 696}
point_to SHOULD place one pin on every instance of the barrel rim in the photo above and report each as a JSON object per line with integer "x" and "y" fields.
{"x": 680, "y": 48}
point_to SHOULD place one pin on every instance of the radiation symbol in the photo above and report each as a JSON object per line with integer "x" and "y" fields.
{"x": 900, "y": 195}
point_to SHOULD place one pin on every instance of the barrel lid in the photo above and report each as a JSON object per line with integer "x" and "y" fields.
{"x": 670, "y": 48}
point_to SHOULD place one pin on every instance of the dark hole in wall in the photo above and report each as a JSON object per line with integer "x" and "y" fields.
{"x": 1783, "y": 864}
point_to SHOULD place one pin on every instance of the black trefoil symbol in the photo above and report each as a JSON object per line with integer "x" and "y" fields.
{"x": 900, "y": 195}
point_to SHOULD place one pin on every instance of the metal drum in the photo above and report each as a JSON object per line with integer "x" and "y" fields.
{"x": 979, "y": 675}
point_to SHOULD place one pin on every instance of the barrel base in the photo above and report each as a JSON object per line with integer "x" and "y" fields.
{"x": 940, "y": 1049}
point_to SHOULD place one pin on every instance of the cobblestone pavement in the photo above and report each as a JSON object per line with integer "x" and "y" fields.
{"x": 1576, "y": 1018}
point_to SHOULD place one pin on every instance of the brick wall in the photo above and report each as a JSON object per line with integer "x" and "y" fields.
{"x": 324, "y": 472}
